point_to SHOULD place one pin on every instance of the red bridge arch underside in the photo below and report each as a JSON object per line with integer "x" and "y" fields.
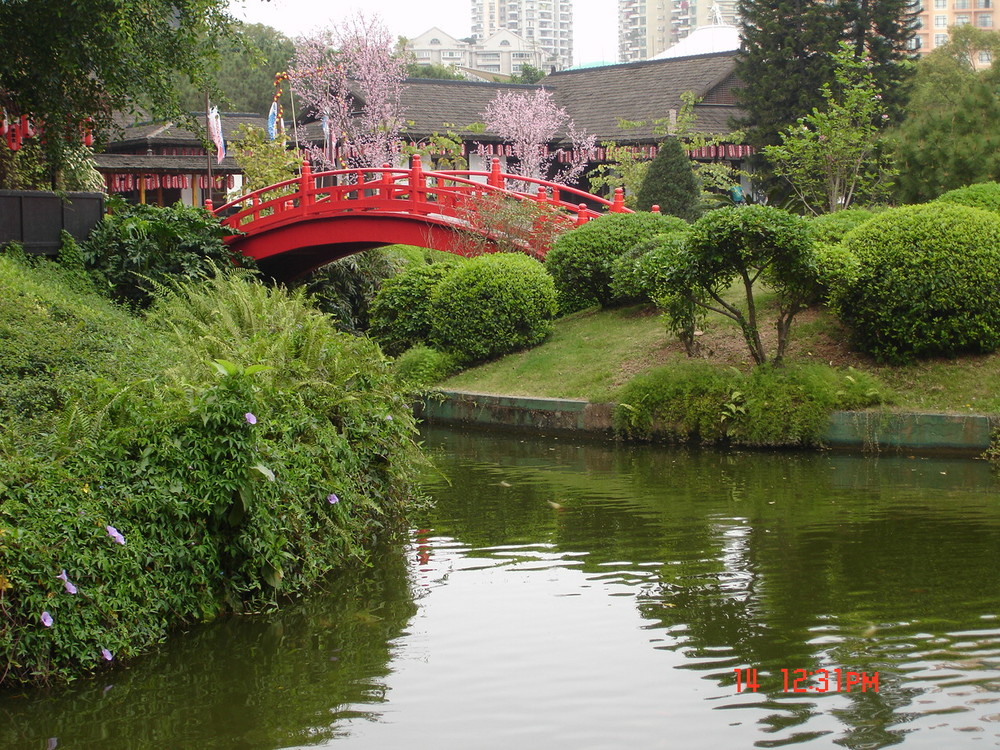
{"x": 296, "y": 226}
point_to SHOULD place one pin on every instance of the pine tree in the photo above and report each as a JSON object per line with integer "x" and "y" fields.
{"x": 881, "y": 30}
{"x": 785, "y": 58}
{"x": 670, "y": 183}
{"x": 788, "y": 49}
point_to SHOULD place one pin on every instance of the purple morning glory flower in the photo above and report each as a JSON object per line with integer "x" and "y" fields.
{"x": 108, "y": 656}
{"x": 70, "y": 588}
{"x": 46, "y": 619}
{"x": 332, "y": 499}
{"x": 113, "y": 533}
{"x": 251, "y": 419}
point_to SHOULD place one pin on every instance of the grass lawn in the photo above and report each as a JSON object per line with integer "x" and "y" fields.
{"x": 594, "y": 352}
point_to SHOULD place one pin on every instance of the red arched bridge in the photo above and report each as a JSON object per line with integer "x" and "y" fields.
{"x": 298, "y": 225}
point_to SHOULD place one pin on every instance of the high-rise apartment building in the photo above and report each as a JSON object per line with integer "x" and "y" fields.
{"x": 643, "y": 28}
{"x": 548, "y": 23}
{"x": 648, "y": 27}
{"x": 935, "y": 17}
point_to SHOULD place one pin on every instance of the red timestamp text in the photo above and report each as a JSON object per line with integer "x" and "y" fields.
{"x": 812, "y": 681}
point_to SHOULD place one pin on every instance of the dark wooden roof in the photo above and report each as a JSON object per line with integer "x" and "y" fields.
{"x": 597, "y": 98}
{"x": 162, "y": 164}
{"x": 431, "y": 106}
{"x": 154, "y": 134}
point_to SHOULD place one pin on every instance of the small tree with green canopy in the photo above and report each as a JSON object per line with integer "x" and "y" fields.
{"x": 747, "y": 245}
{"x": 833, "y": 156}
{"x": 670, "y": 183}
{"x": 264, "y": 161}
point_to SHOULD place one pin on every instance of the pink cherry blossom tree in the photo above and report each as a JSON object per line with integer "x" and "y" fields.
{"x": 348, "y": 77}
{"x": 529, "y": 122}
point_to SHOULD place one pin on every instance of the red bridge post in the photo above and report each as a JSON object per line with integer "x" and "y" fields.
{"x": 618, "y": 204}
{"x": 305, "y": 184}
{"x": 496, "y": 176}
{"x": 417, "y": 183}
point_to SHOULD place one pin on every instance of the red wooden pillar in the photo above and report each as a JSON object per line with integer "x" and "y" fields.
{"x": 417, "y": 183}
{"x": 385, "y": 191}
{"x": 496, "y": 176}
{"x": 305, "y": 184}
{"x": 581, "y": 214}
{"x": 618, "y": 204}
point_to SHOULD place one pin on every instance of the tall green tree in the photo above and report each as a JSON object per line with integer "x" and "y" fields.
{"x": 787, "y": 55}
{"x": 243, "y": 70}
{"x": 833, "y": 156}
{"x": 70, "y": 64}
{"x": 783, "y": 62}
{"x": 950, "y": 136}
{"x": 670, "y": 183}
{"x": 433, "y": 70}
{"x": 880, "y": 31}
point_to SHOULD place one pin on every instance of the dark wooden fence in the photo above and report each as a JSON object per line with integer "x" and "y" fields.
{"x": 35, "y": 218}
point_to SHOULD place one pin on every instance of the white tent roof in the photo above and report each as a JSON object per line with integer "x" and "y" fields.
{"x": 704, "y": 40}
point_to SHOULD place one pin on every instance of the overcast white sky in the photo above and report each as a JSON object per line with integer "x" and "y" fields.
{"x": 595, "y": 34}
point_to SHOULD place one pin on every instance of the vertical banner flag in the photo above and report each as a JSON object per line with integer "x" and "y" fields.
{"x": 272, "y": 121}
{"x": 215, "y": 133}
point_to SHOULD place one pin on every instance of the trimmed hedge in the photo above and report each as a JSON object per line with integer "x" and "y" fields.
{"x": 927, "y": 283}
{"x": 400, "y": 314}
{"x": 985, "y": 195}
{"x": 831, "y": 228}
{"x": 582, "y": 260}
{"x": 697, "y": 401}
{"x": 492, "y": 305}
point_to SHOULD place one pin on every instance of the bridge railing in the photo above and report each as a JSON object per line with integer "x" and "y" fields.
{"x": 448, "y": 193}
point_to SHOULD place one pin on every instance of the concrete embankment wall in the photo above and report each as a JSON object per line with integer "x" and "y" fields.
{"x": 860, "y": 431}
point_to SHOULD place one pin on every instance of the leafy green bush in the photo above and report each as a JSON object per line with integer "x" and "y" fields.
{"x": 831, "y": 228}
{"x": 581, "y": 261}
{"x": 637, "y": 273}
{"x": 679, "y": 402}
{"x": 791, "y": 406}
{"x": 927, "y": 284}
{"x": 693, "y": 400}
{"x": 400, "y": 314}
{"x": 492, "y": 305}
{"x": 834, "y": 268}
{"x": 420, "y": 366}
{"x": 345, "y": 288}
{"x": 138, "y": 246}
{"x": 985, "y": 195}
{"x": 245, "y": 450}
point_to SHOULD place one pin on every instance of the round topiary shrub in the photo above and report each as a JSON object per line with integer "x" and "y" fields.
{"x": 493, "y": 305}
{"x": 400, "y": 313}
{"x": 927, "y": 282}
{"x": 985, "y": 195}
{"x": 636, "y": 273}
{"x": 832, "y": 227}
{"x": 582, "y": 260}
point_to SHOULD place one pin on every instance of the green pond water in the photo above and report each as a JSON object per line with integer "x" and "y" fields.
{"x": 566, "y": 596}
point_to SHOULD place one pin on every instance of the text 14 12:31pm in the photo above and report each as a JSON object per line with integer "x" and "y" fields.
{"x": 812, "y": 681}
